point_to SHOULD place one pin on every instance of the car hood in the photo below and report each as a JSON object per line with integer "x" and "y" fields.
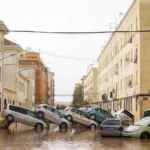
{"x": 132, "y": 128}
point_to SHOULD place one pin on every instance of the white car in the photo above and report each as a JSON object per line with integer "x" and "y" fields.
{"x": 124, "y": 114}
{"x": 140, "y": 129}
{"x": 76, "y": 115}
{"x": 22, "y": 115}
{"x": 45, "y": 111}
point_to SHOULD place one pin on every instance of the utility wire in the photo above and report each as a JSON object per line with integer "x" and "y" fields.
{"x": 88, "y": 32}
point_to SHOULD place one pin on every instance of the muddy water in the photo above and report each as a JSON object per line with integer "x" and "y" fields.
{"x": 23, "y": 138}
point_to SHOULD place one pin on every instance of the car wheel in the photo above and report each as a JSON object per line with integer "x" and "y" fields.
{"x": 69, "y": 118}
{"x": 10, "y": 118}
{"x": 40, "y": 115}
{"x": 63, "y": 126}
{"x": 93, "y": 117}
{"x": 144, "y": 135}
{"x": 39, "y": 126}
{"x": 93, "y": 126}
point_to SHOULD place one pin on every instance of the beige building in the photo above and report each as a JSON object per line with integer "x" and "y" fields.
{"x": 10, "y": 67}
{"x": 124, "y": 63}
{"x": 2, "y": 27}
{"x": 91, "y": 86}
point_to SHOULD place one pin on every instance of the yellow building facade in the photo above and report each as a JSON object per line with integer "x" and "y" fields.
{"x": 91, "y": 86}
{"x": 124, "y": 63}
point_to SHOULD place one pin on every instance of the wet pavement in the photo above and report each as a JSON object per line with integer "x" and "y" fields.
{"x": 20, "y": 137}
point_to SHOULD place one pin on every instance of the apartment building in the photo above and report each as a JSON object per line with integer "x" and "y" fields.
{"x": 40, "y": 75}
{"x": 91, "y": 86}
{"x": 124, "y": 63}
{"x": 2, "y": 34}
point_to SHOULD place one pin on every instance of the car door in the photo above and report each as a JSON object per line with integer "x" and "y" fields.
{"x": 31, "y": 120}
{"x": 85, "y": 119}
{"x": 76, "y": 115}
{"x": 101, "y": 114}
{"x": 57, "y": 117}
{"x": 49, "y": 113}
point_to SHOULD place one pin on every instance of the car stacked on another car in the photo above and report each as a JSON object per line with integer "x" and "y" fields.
{"x": 124, "y": 114}
{"x": 113, "y": 127}
{"x": 98, "y": 114}
{"x": 51, "y": 114}
{"x": 76, "y": 115}
{"x": 22, "y": 115}
{"x": 141, "y": 129}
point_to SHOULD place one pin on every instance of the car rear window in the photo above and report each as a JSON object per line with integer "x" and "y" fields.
{"x": 111, "y": 122}
{"x": 147, "y": 113}
{"x": 128, "y": 114}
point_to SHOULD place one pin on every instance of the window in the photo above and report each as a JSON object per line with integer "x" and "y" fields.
{"x": 30, "y": 113}
{"x": 136, "y": 104}
{"x": 0, "y": 105}
{"x": 5, "y": 102}
{"x": 112, "y": 122}
{"x": 49, "y": 108}
{"x": 18, "y": 109}
{"x": 21, "y": 86}
{"x": 57, "y": 113}
{"x": 13, "y": 102}
{"x": 84, "y": 115}
{"x": 136, "y": 78}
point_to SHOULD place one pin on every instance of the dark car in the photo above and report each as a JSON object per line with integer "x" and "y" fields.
{"x": 113, "y": 127}
{"x": 98, "y": 114}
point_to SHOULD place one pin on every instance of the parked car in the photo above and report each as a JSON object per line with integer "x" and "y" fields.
{"x": 124, "y": 114}
{"x": 45, "y": 111}
{"x": 22, "y": 115}
{"x": 98, "y": 114}
{"x": 113, "y": 127}
{"x": 76, "y": 115}
{"x": 141, "y": 129}
{"x": 147, "y": 113}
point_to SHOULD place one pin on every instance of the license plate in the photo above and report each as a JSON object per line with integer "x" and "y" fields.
{"x": 110, "y": 129}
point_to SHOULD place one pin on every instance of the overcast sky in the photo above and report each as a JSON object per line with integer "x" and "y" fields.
{"x": 62, "y": 15}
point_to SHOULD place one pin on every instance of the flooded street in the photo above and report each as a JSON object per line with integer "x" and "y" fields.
{"x": 54, "y": 139}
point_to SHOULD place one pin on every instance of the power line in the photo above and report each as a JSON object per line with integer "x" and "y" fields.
{"x": 87, "y": 32}
{"x": 66, "y": 56}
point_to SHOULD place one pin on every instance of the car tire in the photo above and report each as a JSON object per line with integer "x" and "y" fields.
{"x": 93, "y": 117}
{"x": 63, "y": 125}
{"x": 10, "y": 118}
{"x": 39, "y": 126}
{"x": 145, "y": 135}
{"x": 69, "y": 118}
{"x": 93, "y": 126}
{"x": 40, "y": 115}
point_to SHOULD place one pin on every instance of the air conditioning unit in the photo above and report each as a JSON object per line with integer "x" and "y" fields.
{"x": 135, "y": 59}
{"x": 126, "y": 58}
{"x": 116, "y": 72}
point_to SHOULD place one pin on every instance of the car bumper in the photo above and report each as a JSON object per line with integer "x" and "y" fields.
{"x": 131, "y": 135}
{"x": 106, "y": 133}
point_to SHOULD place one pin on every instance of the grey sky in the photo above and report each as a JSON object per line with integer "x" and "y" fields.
{"x": 62, "y": 15}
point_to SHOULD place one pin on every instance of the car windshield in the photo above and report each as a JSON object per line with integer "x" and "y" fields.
{"x": 142, "y": 122}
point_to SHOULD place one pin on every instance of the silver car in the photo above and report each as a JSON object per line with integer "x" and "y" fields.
{"x": 113, "y": 127}
{"x": 22, "y": 115}
{"x": 76, "y": 115}
{"x": 45, "y": 111}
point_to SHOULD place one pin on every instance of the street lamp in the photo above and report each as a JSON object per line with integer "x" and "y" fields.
{"x": 7, "y": 56}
